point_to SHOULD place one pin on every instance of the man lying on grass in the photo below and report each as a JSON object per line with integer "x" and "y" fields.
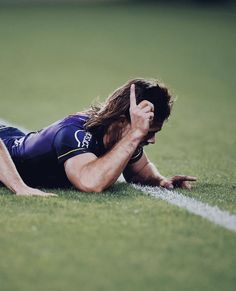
{"x": 90, "y": 149}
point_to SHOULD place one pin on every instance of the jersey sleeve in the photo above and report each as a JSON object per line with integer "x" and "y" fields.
{"x": 71, "y": 141}
{"x": 136, "y": 156}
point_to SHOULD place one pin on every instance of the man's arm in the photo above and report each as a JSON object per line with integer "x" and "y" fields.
{"x": 11, "y": 178}
{"x": 145, "y": 173}
{"x": 91, "y": 174}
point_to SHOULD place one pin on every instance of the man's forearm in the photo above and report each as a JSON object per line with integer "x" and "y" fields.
{"x": 105, "y": 170}
{"x": 147, "y": 175}
{"x": 8, "y": 172}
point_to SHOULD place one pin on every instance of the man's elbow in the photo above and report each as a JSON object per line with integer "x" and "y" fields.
{"x": 93, "y": 189}
{"x": 90, "y": 187}
{"x": 129, "y": 178}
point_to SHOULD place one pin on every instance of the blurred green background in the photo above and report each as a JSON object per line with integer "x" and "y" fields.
{"x": 55, "y": 60}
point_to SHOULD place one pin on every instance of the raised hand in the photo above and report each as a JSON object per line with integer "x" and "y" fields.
{"x": 178, "y": 181}
{"x": 141, "y": 115}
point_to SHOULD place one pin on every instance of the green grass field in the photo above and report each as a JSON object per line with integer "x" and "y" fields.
{"x": 55, "y": 61}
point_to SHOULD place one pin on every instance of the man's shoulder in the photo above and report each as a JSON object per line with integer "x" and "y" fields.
{"x": 45, "y": 137}
{"x": 78, "y": 119}
{"x": 73, "y": 139}
{"x": 72, "y": 124}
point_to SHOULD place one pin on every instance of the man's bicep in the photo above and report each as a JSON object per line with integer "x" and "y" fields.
{"x": 74, "y": 169}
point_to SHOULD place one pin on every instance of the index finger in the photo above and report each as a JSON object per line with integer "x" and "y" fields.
{"x": 132, "y": 96}
{"x": 184, "y": 178}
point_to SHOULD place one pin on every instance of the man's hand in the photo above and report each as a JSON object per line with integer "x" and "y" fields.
{"x": 28, "y": 191}
{"x": 178, "y": 181}
{"x": 10, "y": 177}
{"x": 141, "y": 115}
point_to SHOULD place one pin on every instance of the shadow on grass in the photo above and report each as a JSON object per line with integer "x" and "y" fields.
{"x": 213, "y": 193}
{"x": 120, "y": 190}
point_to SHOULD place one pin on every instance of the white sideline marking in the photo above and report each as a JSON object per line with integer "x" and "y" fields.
{"x": 211, "y": 213}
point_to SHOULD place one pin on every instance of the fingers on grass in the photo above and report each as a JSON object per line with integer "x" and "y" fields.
{"x": 186, "y": 185}
{"x": 52, "y": 195}
{"x": 184, "y": 178}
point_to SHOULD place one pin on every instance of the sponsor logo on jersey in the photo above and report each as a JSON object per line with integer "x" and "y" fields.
{"x": 86, "y": 139}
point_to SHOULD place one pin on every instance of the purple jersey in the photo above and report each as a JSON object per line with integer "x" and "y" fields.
{"x": 40, "y": 156}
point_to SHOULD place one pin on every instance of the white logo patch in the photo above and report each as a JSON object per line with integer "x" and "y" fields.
{"x": 86, "y": 139}
{"x": 18, "y": 142}
{"x": 77, "y": 139}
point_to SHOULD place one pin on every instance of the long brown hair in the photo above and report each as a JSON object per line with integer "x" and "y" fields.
{"x": 118, "y": 103}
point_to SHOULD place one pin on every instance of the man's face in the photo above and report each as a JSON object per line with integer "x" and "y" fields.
{"x": 118, "y": 130}
{"x": 150, "y": 138}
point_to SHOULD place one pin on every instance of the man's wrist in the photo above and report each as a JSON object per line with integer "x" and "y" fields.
{"x": 19, "y": 187}
{"x": 130, "y": 142}
{"x": 136, "y": 136}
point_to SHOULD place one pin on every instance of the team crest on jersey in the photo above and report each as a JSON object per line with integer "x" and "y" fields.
{"x": 83, "y": 138}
